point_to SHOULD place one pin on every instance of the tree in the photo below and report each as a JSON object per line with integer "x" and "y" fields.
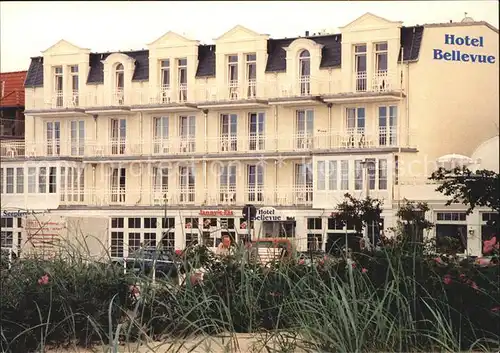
{"x": 412, "y": 220}
{"x": 358, "y": 213}
{"x": 473, "y": 189}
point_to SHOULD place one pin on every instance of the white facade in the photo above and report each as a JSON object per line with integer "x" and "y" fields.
{"x": 191, "y": 133}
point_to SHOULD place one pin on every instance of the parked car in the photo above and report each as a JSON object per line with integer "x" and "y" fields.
{"x": 142, "y": 261}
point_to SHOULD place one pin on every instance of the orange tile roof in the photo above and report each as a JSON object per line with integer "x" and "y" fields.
{"x": 12, "y": 88}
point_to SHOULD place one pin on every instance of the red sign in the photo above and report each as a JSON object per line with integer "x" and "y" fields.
{"x": 216, "y": 213}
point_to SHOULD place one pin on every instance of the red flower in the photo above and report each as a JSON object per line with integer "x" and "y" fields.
{"x": 353, "y": 265}
{"x": 447, "y": 279}
{"x": 178, "y": 252}
{"x": 321, "y": 262}
{"x": 490, "y": 245}
{"x": 301, "y": 262}
{"x": 44, "y": 279}
{"x": 364, "y": 270}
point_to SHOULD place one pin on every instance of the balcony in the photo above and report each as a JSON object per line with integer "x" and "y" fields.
{"x": 227, "y": 196}
{"x": 164, "y": 98}
{"x": 230, "y": 145}
{"x": 379, "y": 86}
{"x": 57, "y": 104}
{"x": 305, "y": 90}
{"x": 244, "y": 94}
{"x": 116, "y": 101}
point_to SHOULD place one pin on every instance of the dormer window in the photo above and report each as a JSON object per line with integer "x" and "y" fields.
{"x": 182, "y": 74}
{"x": 165, "y": 73}
{"x": 232, "y": 76}
{"x": 360, "y": 67}
{"x": 58, "y": 85}
{"x": 381, "y": 57}
{"x": 119, "y": 84}
{"x": 165, "y": 80}
{"x": 305, "y": 72}
{"x": 74, "y": 85}
{"x": 251, "y": 73}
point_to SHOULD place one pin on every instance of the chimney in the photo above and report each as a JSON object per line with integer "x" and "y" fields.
{"x": 307, "y": 33}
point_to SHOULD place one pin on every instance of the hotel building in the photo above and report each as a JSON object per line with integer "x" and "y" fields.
{"x": 166, "y": 145}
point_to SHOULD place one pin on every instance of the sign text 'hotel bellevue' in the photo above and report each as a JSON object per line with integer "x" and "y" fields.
{"x": 458, "y": 55}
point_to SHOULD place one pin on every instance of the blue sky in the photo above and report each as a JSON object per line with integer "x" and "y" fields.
{"x": 27, "y": 28}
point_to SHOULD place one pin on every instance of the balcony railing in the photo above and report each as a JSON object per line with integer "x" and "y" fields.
{"x": 234, "y": 90}
{"x": 230, "y": 196}
{"x": 380, "y": 81}
{"x": 226, "y": 144}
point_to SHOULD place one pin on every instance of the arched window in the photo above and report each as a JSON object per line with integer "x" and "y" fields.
{"x": 119, "y": 77}
{"x": 119, "y": 83}
{"x": 305, "y": 72}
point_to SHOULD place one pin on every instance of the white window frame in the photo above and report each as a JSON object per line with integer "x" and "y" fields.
{"x": 255, "y": 189}
{"x": 187, "y": 133}
{"x": 251, "y": 74}
{"x": 228, "y": 132}
{"x": 118, "y": 135}
{"x": 161, "y": 132}
{"x": 187, "y": 184}
{"x": 182, "y": 76}
{"x": 321, "y": 175}
{"x": 256, "y": 122}
{"x": 58, "y": 86}
{"x": 227, "y": 183}
{"x": 379, "y": 53}
{"x": 72, "y": 184}
{"x": 75, "y": 83}
{"x": 388, "y": 125}
{"x": 52, "y": 141}
{"x": 77, "y": 136}
{"x": 116, "y": 189}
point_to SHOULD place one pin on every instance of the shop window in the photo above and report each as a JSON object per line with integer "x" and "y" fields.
{"x": 134, "y": 223}
{"x": 150, "y": 223}
{"x": 209, "y": 222}
{"x": 314, "y": 242}
{"x": 168, "y": 223}
{"x": 314, "y": 223}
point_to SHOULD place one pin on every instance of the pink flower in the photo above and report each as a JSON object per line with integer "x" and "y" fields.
{"x": 472, "y": 284}
{"x": 44, "y": 280}
{"x": 495, "y": 309}
{"x": 301, "y": 262}
{"x": 490, "y": 245}
{"x": 447, "y": 279}
{"x": 134, "y": 291}
{"x": 462, "y": 276}
{"x": 364, "y": 270}
{"x": 178, "y": 252}
{"x": 243, "y": 225}
{"x": 321, "y": 262}
{"x": 275, "y": 294}
{"x": 353, "y": 265}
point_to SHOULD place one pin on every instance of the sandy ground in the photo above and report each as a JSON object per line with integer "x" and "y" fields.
{"x": 238, "y": 343}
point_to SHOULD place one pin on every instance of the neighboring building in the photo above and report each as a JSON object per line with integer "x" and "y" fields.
{"x": 168, "y": 144}
{"x": 12, "y": 105}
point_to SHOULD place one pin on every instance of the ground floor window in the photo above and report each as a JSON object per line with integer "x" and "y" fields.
{"x": 451, "y": 232}
{"x": 279, "y": 229}
{"x": 11, "y": 234}
{"x": 129, "y": 234}
{"x": 488, "y": 229}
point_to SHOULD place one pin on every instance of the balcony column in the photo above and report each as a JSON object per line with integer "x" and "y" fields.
{"x": 241, "y": 75}
{"x": 205, "y": 123}
{"x": 329, "y": 134}
{"x": 93, "y": 185}
{"x": 96, "y": 134}
{"x": 275, "y": 137}
{"x": 205, "y": 181}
